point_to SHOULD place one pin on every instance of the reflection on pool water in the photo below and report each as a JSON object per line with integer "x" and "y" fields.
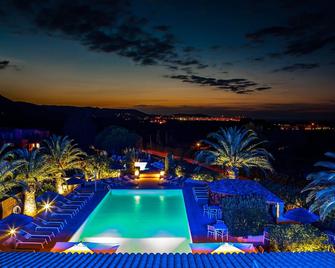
{"x": 145, "y": 221}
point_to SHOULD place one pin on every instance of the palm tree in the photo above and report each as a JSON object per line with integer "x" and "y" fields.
{"x": 322, "y": 188}
{"x": 7, "y": 168}
{"x": 62, "y": 154}
{"x": 234, "y": 149}
{"x": 29, "y": 175}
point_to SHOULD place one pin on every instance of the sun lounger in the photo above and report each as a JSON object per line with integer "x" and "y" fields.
{"x": 50, "y": 220}
{"x": 62, "y": 205}
{"x": 200, "y": 196}
{"x": 80, "y": 203}
{"x": 66, "y": 210}
{"x": 35, "y": 234}
{"x": 88, "y": 195}
{"x": 22, "y": 242}
{"x": 44, "y": 227}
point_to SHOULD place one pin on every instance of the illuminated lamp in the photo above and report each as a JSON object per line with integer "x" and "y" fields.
{"x": 12, "y": 231}
{"x": 47, "y": 206}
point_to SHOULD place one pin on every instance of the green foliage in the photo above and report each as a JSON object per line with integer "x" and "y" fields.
{"x": 235, "y": 148}
{"x": 8, "y": 166}
{"x": 245, "y": 215}
{"x": 30, "y": 175}
{"x": 62, "y": 154}
{"x": 322, "y": 188}
{"x": 131, "y": 156}
{"x": 290, "y": 194}
{"x": 116, "y": 139}
{"x": 98, "y": 166}
{"x": 47, "y": 186}
{"x": 297, "y": 238}
{"x": 203, "y": 177}
{"x": 180, "y": 171}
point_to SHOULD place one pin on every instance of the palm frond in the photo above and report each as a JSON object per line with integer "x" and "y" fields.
{"x": 235, "y": 148}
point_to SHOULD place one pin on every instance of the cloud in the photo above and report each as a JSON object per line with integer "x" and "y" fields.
{"x": 303, "y": 34}
{"x": 162, "y": 28}
{"x": 297, "y": 67}
{"x": 4, "y": 64}
{"x": 105, "y": 26}
{"x": 236, "y": 85}
{"x": 260, "y": 35}
{"x": 108, "y": 27}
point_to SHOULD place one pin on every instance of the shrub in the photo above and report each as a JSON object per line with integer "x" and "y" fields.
{"x": 179, "y": 171}
{"x": 245, "y": 215}
{"x": 203, "y": 177}
{"x": 298, "y": 238}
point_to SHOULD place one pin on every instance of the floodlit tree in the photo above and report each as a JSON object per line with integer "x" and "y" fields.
{"x": 235, "y": 149}
{"x": 62, "y": 154}
{"x": 33, "y": 171}
{"x": 322, "y": 188}
{"x": 8, "y": 165}
{"x": 98, "y": 166}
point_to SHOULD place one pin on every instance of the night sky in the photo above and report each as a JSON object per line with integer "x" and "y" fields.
{"x": 253, "y": 58}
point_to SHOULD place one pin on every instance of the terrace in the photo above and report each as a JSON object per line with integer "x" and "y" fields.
{"x": 151, "y": 219}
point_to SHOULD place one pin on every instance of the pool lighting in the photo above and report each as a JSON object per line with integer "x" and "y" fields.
{"x": 137, "y": 172}
{"x": 162, "y": 173}
{"x": 137, "y": 199}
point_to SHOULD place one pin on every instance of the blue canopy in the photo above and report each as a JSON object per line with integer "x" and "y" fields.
{"x": 14, "y": 220}
{"x": 301, "y": 215}
{"x": 242, "y": 187}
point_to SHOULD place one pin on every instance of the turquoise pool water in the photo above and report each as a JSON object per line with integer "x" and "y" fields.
{"x": 151, "y": 221}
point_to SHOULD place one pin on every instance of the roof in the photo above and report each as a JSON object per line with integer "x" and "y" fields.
{"x": 268, "y": 260}
{"x": 242, "y": 187}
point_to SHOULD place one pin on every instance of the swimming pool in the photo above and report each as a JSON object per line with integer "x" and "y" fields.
{"x": 141, "y": 221}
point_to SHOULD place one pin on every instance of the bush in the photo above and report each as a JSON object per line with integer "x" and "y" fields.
{"x": 203, "y": 177}
{"x": 245, "y": 215}
{"x": 116, "y": 139}
{"x": 179, "y": 171}
{"x": 298, "y": 238}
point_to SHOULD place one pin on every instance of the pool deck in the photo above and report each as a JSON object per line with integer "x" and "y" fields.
{"x": 197, "y": 221}
{"x": 73, "y": 224}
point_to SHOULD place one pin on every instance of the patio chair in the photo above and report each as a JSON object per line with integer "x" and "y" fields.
{"x": 211, "y": 232}
{"x": 205, "y": 209}
{"x": 222, "y": 235}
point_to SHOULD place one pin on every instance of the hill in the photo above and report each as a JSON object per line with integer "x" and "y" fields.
{"x": 53, "y": 117}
